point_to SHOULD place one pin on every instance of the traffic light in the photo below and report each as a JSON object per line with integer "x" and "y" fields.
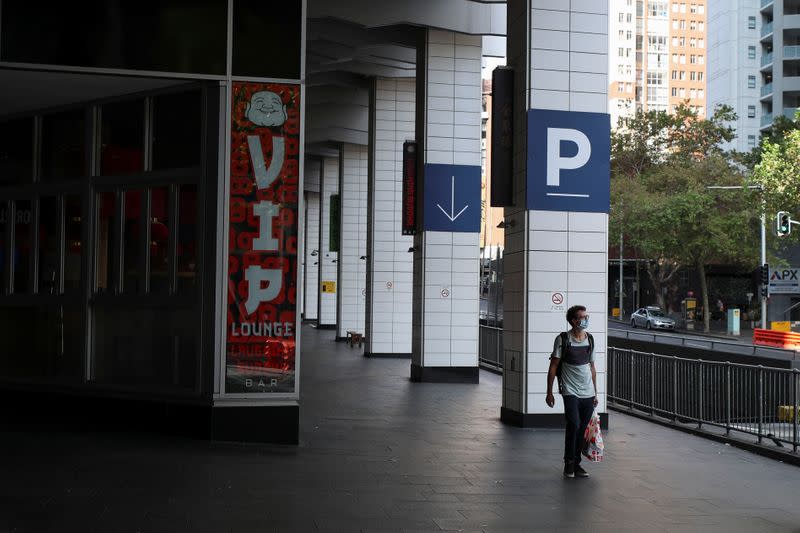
{"x": 764, "y": 278}
{"x": 783, "y": 224}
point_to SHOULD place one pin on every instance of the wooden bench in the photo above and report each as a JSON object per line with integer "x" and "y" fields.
{"x": 354, "y": 337}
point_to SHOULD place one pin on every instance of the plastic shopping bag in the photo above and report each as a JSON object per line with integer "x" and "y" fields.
{"x": 593, "y": 447}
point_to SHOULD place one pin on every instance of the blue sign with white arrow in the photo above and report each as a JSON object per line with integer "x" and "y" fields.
{"x": 569, "y": 155}
{"x": 452, "y": 198}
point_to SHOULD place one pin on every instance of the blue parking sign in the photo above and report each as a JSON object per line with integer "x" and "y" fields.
{"x": 569, "y": 155}
{"x": 452, "y": 198}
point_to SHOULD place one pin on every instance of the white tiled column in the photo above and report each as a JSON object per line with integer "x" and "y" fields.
{"x": 389, "y": 265}
{"x": 312, "y": 171}
{"x": 327, "y": 260}
{"x": 561, "y": 63}
{"x": 446, "y": 264}
{"x": 311, "y": 292}
{"x": 352, "y": 289}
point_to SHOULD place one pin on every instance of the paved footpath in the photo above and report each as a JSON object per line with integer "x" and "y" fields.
{"x": 381, "y": 454}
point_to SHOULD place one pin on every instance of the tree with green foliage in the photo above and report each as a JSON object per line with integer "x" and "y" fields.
{"x": 662, "y": 166}
{"x": 778, "y": 173}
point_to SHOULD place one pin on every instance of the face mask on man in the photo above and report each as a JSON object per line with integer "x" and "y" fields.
{"x": 584, "y": 324}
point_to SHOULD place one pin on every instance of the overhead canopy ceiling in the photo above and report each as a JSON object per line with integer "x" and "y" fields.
{"x": 29, "y": 90}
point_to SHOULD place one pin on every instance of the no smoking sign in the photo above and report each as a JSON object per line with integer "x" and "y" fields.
{"x": 557, "y": 300}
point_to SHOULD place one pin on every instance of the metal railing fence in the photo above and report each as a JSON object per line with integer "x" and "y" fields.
{"x": 490, "y": 346}
{"x": 748, "y": 399}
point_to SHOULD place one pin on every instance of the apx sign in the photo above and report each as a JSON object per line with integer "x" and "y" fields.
{"x": 784, "y": 281}
{"x": 569, "y": 157}
{"x": 452, "y": 197}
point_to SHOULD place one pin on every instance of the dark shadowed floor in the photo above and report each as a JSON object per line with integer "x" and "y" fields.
{"x": 378, "y": 454}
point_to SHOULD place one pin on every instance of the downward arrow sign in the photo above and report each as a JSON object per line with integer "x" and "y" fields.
{"x": 450, "y": 215}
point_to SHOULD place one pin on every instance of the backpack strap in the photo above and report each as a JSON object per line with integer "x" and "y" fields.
{"x": 564, "y": 336}
{"x": 591, "y": 342}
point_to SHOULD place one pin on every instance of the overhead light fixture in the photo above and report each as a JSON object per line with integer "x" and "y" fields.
{"x": 314, "y": 253}
{"x": 363, "y": 257}
{"x": 412, "y": 249}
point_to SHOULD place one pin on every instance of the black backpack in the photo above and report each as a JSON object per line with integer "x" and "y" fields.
{"x": 564, "y": 336}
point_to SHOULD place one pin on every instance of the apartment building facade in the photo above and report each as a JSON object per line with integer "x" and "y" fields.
{"x": 658, "y": 56}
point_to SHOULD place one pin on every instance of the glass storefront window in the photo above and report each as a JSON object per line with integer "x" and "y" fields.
{"x": 163, "y": 35}
{"x": 64, "y": 145}
{"x": 266, "y": 38}
{"x": 122, "y": 138}
{"x": 16, "y": 151}
{"x": 132, "y": 274}
{"x": 41, "y": 342}
{"x": 23, "y": 246}
{"x": 177, "y": 129}
{"x": 73, "y": 246}
{"x": 4, "y": 212}
{"x": 145, "y": 347}
{"x": 159, "y": 240}
{"x": 106, "y": 242}
{"x": 49, "y": 245}
{"x": 187, "y": 238}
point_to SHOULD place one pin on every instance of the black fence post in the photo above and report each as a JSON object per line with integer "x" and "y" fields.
{"x": 760, "y": 403}
{"x": 652, "y": 384}
{"x": 727, "y": 398}
{"x": 674, "y": 388}
{"x": 701, "y": 395}
{"x": 794, "y": 409}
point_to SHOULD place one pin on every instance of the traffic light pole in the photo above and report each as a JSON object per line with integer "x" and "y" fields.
{"x": 763, "y": 240}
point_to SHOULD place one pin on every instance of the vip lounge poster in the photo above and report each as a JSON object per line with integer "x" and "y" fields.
{"x": 262, "y": 251}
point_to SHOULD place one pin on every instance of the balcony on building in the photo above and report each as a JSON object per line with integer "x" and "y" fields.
{"x": 767, "y": 59}
{"x": 766, "y": 30}
{"x": 767, "y": 5}
{"x": 766, "y": 91}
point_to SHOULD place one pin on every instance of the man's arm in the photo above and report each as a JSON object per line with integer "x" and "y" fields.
{"x": 594, "y": 381}
{"x": 551, "y": 376}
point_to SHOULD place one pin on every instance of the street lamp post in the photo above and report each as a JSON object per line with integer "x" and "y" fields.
{"x": 763, "y": 238}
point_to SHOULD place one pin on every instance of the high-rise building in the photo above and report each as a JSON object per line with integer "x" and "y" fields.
{"x": 779, "y": 59}
{"x": 735, "y": 61}
{"x": 657, "y": 56}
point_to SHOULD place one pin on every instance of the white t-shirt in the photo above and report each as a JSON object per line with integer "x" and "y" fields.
{"x": 576, "y": 380}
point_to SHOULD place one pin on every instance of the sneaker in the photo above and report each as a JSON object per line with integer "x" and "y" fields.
{"x": 580, "y": 472}
{"x": 569, "y": 470}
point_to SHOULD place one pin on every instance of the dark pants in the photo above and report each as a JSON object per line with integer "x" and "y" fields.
{"x": 578, "y": 412}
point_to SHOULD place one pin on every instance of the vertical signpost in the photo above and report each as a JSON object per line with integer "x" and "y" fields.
{"x": 262, "y": 252}
{"x": 409, "y": 215}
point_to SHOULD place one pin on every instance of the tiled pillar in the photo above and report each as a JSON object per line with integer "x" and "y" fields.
{"x": 389, "y": 264}
{"x": 448, "y": 132}
{"x": 352, "y": 289}
{"x": 556, "y": 236}
{"x": 328, "y": 270}
{"x": 311, "y": 281}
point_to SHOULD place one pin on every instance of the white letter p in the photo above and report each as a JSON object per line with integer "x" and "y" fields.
{"x": 556, "y": 163}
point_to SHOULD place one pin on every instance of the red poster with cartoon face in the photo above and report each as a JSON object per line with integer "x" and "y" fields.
{"x": 262, "y": 251}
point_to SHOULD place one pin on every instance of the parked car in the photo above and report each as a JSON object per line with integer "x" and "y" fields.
{"x": 652, "y": 318}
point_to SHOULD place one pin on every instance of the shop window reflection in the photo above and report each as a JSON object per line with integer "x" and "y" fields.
{"x": 145, "y": 347}
{"x": 177, "y": 127}
{"x": 49, "y": 241}
{"x": 159, "y": 240}
{"x": 122, "y": 138}
{"x": 64, "y": 145}
{"x": 41, "y": 342}
{"x": 106, "y": 242}
{"x": 131, "y": 244}
{"x": 22, "y": 247}
{"x": 16, "y": 151}
{"x": 4, "y": 214}
{"x": 187, "y": 238}
{"x": 73, "y": 246}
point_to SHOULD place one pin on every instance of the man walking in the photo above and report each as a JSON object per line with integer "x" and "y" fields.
{"x": 573, "y": 362}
